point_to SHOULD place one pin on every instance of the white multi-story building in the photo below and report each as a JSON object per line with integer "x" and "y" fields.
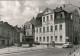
{"x": 56, "y": 25}
{"x": 49, "y": 31}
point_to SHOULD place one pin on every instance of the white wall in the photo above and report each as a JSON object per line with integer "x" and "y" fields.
{"x": 38, "y": 34}
{"x": 21, "y": 35}
{"x": 59, "y": 33}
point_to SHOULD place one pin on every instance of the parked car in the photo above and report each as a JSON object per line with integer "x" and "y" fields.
{"x": 36, "y": 43}
{"x": 68, "y": 45}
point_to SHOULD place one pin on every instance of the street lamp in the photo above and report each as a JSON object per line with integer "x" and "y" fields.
{"x": 24, "y": 32}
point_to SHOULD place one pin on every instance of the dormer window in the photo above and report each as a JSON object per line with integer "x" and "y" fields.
{"x": 61, "y": 15}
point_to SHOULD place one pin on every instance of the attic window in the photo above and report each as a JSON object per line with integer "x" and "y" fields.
{"x": 47, "y": 10}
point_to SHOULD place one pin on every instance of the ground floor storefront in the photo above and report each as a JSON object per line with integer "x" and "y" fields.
{"x": 28, "y": 40}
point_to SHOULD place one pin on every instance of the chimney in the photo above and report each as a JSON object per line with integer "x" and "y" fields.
{"x": 60, "y": 7}
{"x": 79, "y": 8}
{"x": 33, "y": 17}
{"x": 16, "y": 25}
{"x": 63, "y": 5}
{"x": 2, "y": 21}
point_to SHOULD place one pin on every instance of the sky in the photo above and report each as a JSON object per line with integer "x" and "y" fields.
{"x": 17, "y": 12}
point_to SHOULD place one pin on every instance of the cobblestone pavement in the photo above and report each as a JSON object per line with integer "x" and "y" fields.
{"x": 57, "y": 49}
{"x": 76, "y": 52}
{"x": 15, "y": 49}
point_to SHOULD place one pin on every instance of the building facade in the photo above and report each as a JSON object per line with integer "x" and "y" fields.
{"x": 58, "y": 25}
{"x": 8, "y": 34}
{"x": 28, "y": 30}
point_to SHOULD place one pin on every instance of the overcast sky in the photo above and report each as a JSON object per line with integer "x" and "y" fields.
{"x": 17, "y": 12}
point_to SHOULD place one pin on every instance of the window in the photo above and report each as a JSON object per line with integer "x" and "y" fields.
{"x": 47, "y": 10}
{"x": 43, "y": 19}
{"x": 51, "y": 28}
{"x": 47, "y": 18}
{"x": 60, "y": 38}
{"x": 28, "y": 27}
{"x": 47, "y": 29}
{"x": 51, "y": 38}
{"x": 60, "y": 27}
{"x": 40, "y": 39}
{"x": 61, "y": 15}
{"x": 43, "y": 39}
{"x": 47, "y": 38}
{"x": 51, "y": 17}
{"x": 67, "y": 40}
{"x": 36, "y": 38}
{"x": 55, "y": 38}
{"x": 27, "y": 32}
{"x": 37, "y": 30}
{"x": 57, "y": 16}
{"x": 40, "y": 29}
{"x": 43, "y": 29}
{"x": 55, "y": 27}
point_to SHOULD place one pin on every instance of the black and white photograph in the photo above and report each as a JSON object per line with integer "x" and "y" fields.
{"x": 39, "y": 27}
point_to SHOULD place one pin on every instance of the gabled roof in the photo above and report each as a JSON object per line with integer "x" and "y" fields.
{"x": 70, "y": 8}
{"x": 47, "y": 9}
{"x": 41, "y": 14}
{"x": 33, "y": 21}
{"x": 38, "y": 23}
{"x": 17, "y": 28}
{"x": 58, "y": 9}
{"x": 79, "y": 11}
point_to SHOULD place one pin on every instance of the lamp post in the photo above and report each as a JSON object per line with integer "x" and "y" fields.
{"x": 8, "y": 44}
{"x": 24, "y": 32}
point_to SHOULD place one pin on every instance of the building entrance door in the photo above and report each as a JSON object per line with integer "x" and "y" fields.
{"x": 3, "y": 42}
{"x": 75, "y": 40}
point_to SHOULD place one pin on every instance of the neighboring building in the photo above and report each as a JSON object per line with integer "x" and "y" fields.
{"x": 60, "y": 25}
{"x": 17, "y": 30}
{"x": 7, "y": 34}
{"x": 21, "y": 35}
{"x": 27, "y": 32}
{"x": 79, "y": 28}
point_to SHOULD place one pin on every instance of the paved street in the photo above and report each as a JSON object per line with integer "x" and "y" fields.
{"x": 45, "y": 52}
